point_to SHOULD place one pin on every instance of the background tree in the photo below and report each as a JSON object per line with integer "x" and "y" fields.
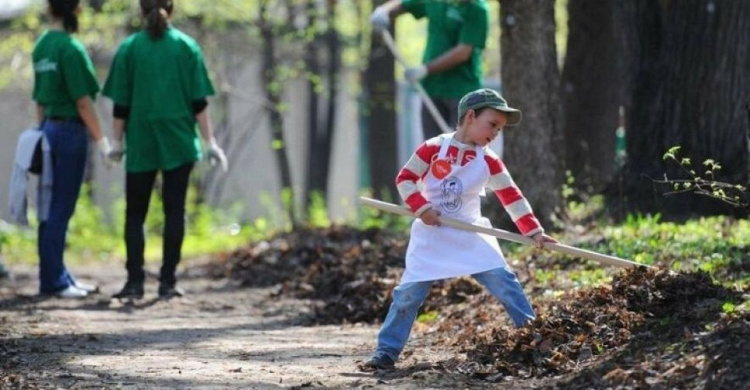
{"x": 687, "y": 65}
{"x": 531, "y": 78}
{"x": 379, "y": 106}
{"x": 323, "y": 61}
{"x": 272, "y": 76}
{"x": 592, "y": 92}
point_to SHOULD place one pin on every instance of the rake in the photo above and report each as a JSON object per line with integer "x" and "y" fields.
{"x": 506, "y": 235}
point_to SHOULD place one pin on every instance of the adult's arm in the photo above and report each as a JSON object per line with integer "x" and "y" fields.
{"x": 450, "y": 59}
{"x": 118, "y": 129}
{"x": 393, "y": 8}
{"x": 88, "y": 114}
{"x": 39, "y": 113}
{"x": 204, "y": 124}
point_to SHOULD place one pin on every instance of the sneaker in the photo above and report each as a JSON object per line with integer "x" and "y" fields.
{"x": 379, "y": 362}
{"x": 71, "y": 292}
{"x": 89, "y": 288}
{"x": 169, "y": 291}
{"x": 131, "y": 290}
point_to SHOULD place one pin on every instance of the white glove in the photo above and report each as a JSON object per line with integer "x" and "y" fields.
{"x": 104, "y": 149}
{"x": 380, "y": 19}
{"x": 115, "y": 155}
{"x": 413, "y": 75}
{"x": 216, "y": 155}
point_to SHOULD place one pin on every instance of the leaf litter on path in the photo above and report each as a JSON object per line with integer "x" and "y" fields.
{"x": 623, "y": 334}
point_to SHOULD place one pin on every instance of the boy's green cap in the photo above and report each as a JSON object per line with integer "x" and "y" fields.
{"x": 486, "y": 97}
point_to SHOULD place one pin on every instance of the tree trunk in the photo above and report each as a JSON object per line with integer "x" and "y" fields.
{"x": 380, "y": 112}
{"x": 533, "y": 149}
{"x": 312, "y": 63}
{"x": 321, "y": 129}
{"x": 334, "y": 69}
{"x": 689, "y": 80}
{"x": 273, "y": 96}
{"x": 593, "y": 90}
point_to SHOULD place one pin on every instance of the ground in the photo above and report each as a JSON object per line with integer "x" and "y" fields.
{"x": 302, "y": 310}
{"x": 218, "y": 336}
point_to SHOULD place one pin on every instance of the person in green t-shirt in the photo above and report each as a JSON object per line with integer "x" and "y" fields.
{"x": 65, "y": 85}
{"x": 158, "y": 83}
{"x": 452, "y": 61}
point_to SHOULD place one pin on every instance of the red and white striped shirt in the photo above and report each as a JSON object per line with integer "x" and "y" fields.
{"x": 500, "y": 182}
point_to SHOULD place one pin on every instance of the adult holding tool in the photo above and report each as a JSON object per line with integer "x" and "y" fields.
{"x": 159, "y": 85}
{"x": 454, "y": 169}
{"x": 65, "y": 85}
{"x": 452, "y": 61}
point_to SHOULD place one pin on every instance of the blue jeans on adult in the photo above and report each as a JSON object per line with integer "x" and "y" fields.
{"x": 408, "y": 298}
{"x": 68, "y": 141}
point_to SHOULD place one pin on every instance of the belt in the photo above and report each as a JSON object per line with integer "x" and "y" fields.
{"x": 62, "y": 119}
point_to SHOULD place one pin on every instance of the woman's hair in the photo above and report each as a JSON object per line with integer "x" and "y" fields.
{"x": 157, "y": 14}
{"x": 64, "y": 9}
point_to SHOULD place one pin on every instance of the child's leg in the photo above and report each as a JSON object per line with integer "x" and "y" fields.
{"x": 407, "y": 299}
{"x": 504, "y": 285}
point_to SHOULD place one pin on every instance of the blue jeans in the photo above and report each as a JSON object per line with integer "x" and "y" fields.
{"x": 68, "y": 143}
{"x": 408, "y": 298}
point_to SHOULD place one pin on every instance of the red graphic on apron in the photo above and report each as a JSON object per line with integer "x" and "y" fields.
{"x": 440, "y": 168}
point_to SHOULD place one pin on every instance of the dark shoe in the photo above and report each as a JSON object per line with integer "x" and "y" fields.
{"x": 168, "y": 290}
{"x": 379, "y": 362}
{"x": 132, "y": 290}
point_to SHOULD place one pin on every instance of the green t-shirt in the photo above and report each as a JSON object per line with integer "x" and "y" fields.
{"x": 451, "y": 22}
{"x": 159, "y": 80}
{"x": 63, "y": 73}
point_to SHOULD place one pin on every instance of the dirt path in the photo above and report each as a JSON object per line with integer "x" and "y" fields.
{"x": 219, "y": 336}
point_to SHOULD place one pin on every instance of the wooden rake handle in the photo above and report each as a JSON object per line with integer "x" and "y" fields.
{"x": 505, "y": 235}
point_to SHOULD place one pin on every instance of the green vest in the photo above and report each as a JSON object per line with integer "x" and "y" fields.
{"x": 159, "y": 80}
{"x": 451, "y": 22}
{"x": 63, "y": 73}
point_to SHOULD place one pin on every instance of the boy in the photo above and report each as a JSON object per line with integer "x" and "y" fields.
{"x": 454, "y": 169}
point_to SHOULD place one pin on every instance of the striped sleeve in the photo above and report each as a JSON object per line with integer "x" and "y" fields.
{"x": 510, "y": 196}
{"x": 414, "y": 170}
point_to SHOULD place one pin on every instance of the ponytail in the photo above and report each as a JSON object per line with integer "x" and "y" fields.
{"x": 156, "y": 13}
{"x": 64, "y": 9}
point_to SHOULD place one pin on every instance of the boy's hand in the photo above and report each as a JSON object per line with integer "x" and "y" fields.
{"x": 431, "y": 217}
{"x": 541, "y": 238}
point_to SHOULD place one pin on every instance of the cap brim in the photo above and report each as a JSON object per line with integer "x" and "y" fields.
{"x": 514, "y": 116}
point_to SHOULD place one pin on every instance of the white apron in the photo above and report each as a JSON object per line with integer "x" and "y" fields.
{"x": 441, "y": 252}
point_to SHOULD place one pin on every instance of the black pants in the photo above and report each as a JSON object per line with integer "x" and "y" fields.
{"x": 138, "y": 187}
{"x": 448, "y": 109}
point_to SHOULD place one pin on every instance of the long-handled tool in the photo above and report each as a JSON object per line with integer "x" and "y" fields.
{"x": 388, "y": 39}
{"x": 444, "y": 127}
{"x": 505, "y": 235}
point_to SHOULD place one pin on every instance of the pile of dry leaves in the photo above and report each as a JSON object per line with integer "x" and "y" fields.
{"x": 573, "y": 329}
{"x": 619, "y": 335}
{"x": 349, "y": 272}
